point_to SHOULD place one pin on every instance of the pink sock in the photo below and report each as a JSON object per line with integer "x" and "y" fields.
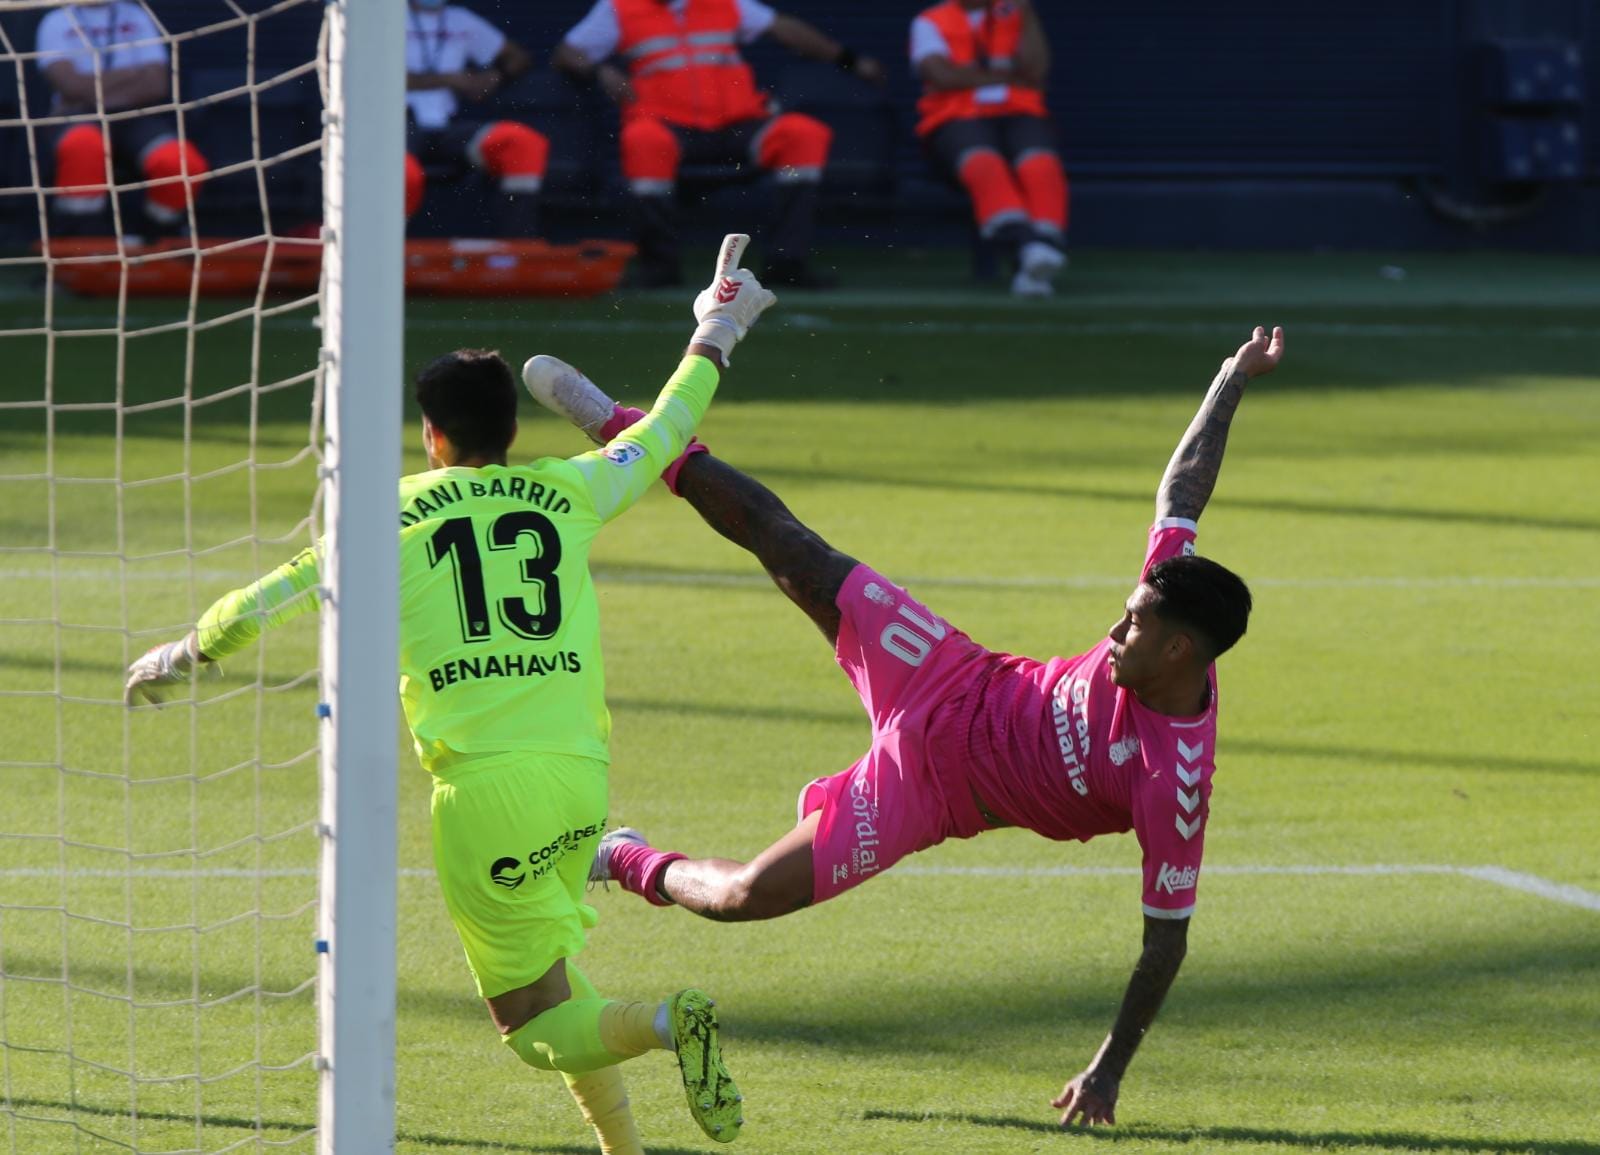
{"x": 638, "y": 869}
{"x": 623, "y": 416}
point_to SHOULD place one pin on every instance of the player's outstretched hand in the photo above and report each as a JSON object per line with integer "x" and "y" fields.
{"x": 1258, "y": 355}
{"x": 159, "y": 667}
{"x": 1090, "y": 1099}
{"x": 728, "y": 306}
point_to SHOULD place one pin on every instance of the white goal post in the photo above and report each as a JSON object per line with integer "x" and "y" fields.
{"x": 198, "y": 904}
{"x": 362, "y": 323}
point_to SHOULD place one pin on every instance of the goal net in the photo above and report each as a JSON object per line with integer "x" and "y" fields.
{"x": 171, "y": 339}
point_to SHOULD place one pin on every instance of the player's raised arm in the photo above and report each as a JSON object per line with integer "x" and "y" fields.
{"x": 233, "y": 622}
{"x": 1192, "y": 473}
{"x": 638, "y": 450}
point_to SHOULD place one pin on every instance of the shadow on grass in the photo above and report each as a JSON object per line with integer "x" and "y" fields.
{"x": 1301, "y": 995}
{"x": 68, "y": 1111}
{"x": 1144, "y": 495}
{"x": 913, "y": 352}
{"x": 113, "y": 673}
{"x": 242, "y": 1123}
{"x": 1316, "y": 1140}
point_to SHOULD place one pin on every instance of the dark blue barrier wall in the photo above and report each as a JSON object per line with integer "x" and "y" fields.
{"x": 1255, "y": 123}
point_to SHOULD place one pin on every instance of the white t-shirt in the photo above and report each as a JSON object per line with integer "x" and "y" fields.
{"x": 446, "y": 40}
{"x": 78, "y": 32}
{"x": 597, "y": 34}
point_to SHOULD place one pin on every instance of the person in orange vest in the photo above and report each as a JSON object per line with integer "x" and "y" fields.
{"x": 688, "y": 95}
{"x": 454, "y": 55}
{"x": 983, "y": 119}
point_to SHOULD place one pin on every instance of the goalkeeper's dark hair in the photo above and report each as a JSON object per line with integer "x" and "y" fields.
{"x": 471, "y": 397}
{"x": 1208, "y": 601}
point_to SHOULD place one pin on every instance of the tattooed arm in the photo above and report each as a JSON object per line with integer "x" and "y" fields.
{"x": 1192, "y": 473}
{"x": 1091, "y": 1096}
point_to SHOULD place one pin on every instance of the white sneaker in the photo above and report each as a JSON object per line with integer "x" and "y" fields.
{"x": 600, "y": 869}
{"x": 566, "y": 392}
{"x": 1022, "y": 285}
{"x": 1041, "y": 261}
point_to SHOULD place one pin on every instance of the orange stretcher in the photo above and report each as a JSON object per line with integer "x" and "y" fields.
{"x": 487, "y": 268}
{"x": 95, "y": 267}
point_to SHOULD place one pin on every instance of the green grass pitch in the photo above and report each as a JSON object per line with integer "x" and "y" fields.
{"x": 1412, "y": 495}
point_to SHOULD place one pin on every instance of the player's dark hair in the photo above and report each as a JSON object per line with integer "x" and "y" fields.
{"x": 471, "y": 397}
{"x": 1208, "y": 600}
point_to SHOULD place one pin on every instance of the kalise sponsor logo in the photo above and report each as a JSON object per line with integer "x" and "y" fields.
{"x": 1172, "y": 880}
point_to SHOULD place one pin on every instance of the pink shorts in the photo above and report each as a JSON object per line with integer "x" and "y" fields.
{"x": 905, "y": 662}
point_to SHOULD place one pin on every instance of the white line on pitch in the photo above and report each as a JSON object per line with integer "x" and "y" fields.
{"x": 1096, "y": 871}
{"x": 624, "y": 576}
{"x": 1533, "y": 884}
{"x": 167, "y": 873}
{"x": 1497, "y": 875}
{"x": 1105, "y": 581}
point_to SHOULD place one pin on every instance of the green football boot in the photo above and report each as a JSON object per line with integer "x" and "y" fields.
{"x": 714, "y": 1100}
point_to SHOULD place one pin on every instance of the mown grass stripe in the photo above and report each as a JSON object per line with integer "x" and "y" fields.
{"x": 1498, "y": 875}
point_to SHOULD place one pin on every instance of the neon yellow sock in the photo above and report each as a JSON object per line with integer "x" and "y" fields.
{"x": 586, "y": 1032}
{"x": 564, "y": 1038}
{"x": 629, "y": 1028}
{"x": 603, "y": 1100}
{"x": 626, "y": 1029}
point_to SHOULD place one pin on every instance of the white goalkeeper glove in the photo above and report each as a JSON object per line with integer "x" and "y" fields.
{"x": 728, "y": 306}
{"x": 160, "y": 666}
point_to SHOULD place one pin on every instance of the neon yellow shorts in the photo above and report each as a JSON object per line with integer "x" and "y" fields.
{"x": 513, "y": 837}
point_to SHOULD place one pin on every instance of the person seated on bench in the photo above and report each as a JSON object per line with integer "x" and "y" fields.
{"x": 689, "y": 97}
{"x": 982, "y": 118}
{"x": 134, "y": 72}
{"x": 455, "y": 55}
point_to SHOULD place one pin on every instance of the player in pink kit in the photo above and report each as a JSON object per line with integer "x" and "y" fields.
{"x": 966, "y": 740}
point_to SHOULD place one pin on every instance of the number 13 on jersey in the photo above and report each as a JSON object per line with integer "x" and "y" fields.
{"x": 536, "y": 613}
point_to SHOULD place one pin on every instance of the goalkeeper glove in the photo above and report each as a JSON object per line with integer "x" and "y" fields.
{"x": 728, "y": 306}
{"x": 160, "y": 666}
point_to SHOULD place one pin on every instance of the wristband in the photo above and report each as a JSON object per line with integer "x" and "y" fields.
{"x": 720, "y": 333}
{"x": 846, "y": 60}
{"x": 179, "y": 657}
{"x": 670, "y": 473}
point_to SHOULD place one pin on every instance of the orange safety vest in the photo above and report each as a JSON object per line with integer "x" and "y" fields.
{"x": 687, "y": 72}
{"x": 995, "y": 41}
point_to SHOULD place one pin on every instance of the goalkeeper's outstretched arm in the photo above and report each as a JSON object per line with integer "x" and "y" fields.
{"x": 1192, "y": 473}
{"x": 633, "y": 456}
{"x": 233, "y": 622}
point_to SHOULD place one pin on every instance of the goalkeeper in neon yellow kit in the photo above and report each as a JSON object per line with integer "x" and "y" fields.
{"x": 501, "y": 681}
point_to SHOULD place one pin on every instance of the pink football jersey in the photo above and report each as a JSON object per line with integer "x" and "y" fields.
{"x": 1059, "y": 748}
